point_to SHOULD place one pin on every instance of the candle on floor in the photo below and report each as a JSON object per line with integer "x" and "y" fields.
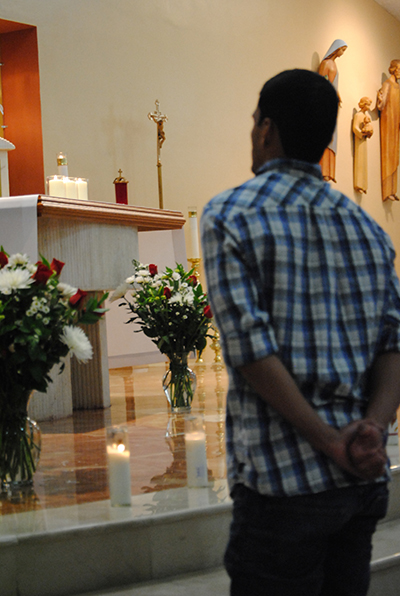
{"x": 194, "y": 233}
{"x": 196, "y": 455}
{"x": 119, "y": 472}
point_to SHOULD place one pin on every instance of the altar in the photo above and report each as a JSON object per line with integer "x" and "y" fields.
{"x": 97, "y": 242}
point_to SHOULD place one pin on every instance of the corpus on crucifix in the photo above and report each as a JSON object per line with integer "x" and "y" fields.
{"x": 159, "y": 119}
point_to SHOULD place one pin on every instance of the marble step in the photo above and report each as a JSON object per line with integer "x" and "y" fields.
{"x": 93, "y": 546}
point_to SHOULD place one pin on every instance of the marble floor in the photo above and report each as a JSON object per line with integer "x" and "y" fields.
{"x": 73, "y": 466}
{"x": 69, "y": 501}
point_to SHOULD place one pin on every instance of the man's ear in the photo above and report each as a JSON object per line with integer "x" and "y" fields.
{"x": 268, "y": 131}
{"x": 271, "y": 139}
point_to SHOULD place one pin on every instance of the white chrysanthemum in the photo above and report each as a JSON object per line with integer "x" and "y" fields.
{"x": 189, "y": 299}
{"x": 176, "y": 276}
{"x": 143, "y": 273}
{"x": 139, "y": 279}
{"x": 14, "y": 279}
{"x": 176, "y": 298}
{"x": 120, "y": 291}
{"x": 78, "y": 343}
{"x": 130, "y": 280}
{"x": 18, "y": 259}
{"x": 66, "y": 290}
{"x": 190, "y": 295}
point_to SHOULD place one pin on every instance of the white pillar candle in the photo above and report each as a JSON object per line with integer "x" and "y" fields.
{"x": 119, "y": 474}
{"x": 71, "y": 191}
{"x": 56, "y": 187}
{"x": 196, "y": 458}
{"x": 82, "y": 189}
{"x": 194, "y": 233}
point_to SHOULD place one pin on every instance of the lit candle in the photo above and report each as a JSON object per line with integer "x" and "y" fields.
{"x": 119, "y": 471}
{"x": 71, "y": 191}
{"x": 196, "y": 458}
{"x": 82, "y": 189}
{"x": 119, "y": 475}
{"x": 56, "y": 186}
{"x": 194, "y": 233}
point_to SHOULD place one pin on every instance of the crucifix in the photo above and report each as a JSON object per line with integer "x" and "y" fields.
{"x": 159, "y": 119}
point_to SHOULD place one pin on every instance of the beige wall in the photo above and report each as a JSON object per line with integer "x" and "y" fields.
{"x": 103, "y": 63}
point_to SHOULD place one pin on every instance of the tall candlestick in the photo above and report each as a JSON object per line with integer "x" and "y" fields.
{"x": 194, "y": 232}
{"x": 119, "y": 471}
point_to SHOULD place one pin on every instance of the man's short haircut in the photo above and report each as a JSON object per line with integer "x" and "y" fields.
{"x": 303, "y": 105}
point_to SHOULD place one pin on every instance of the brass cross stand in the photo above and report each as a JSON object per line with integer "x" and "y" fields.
{"x": 159, "y": 119}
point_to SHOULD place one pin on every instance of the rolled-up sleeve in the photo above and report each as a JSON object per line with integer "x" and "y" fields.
{"x": 244, "y": 324}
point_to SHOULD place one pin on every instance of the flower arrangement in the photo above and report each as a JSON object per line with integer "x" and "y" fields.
{"x": 172, "y": 309}
{"x": 38, "y": 322}
{"x": 38, "y": 326}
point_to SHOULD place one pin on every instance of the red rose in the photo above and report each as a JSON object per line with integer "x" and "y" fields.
{"x": 193, "y": 280}
{"x": 153, "y": 270}
{"x": 3, "y": 259}
{"x": 42, "y": 273}
{"x": 167, "y": 292}
{"x": 208, "y": 312}
{"x": 56, "y": 266}
{"x": 77, "y": 298}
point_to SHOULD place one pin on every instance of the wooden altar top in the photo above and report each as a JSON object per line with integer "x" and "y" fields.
{"x": 145, "y": 219}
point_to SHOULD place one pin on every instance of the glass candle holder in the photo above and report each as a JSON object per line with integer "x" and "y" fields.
{"x": 71, "y": 191}
{"x": 82, "y": 188}
{"x": 67, "y": 187}
{"x": 55, "y": 186}
{"x": 119, "y": 471}
{"x": 196, "y": 455}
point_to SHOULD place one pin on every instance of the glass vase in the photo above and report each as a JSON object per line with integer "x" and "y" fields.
{"x": 20, "y": 445}
{"x": 179, "y": 384}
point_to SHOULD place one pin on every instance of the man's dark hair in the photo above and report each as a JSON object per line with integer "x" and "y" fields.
{"x": 303, "y": 105}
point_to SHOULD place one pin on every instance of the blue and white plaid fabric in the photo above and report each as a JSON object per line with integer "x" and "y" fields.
{"x": 297, "y": 269}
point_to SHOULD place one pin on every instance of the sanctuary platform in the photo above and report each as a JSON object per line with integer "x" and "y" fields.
{"x": 64, "y": 538}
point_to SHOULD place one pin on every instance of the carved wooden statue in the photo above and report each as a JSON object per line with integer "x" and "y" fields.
{"x": 328, "y": 69}
{"x": 362, "y": 129}
{"x": 388, "y": 103}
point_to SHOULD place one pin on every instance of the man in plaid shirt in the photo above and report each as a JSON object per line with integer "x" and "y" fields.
{"x": 305, "y": 295}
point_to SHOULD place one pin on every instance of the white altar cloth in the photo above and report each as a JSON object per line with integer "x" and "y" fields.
{"x": 18, "y": 225}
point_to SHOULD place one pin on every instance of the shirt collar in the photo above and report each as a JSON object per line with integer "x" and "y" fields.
{"x": 286, "y": 165}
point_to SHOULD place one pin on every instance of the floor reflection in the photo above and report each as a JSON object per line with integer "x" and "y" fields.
{"x": 73, "y": 464}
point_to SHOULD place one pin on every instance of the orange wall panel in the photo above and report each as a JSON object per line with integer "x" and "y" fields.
{"x": 22, "y": 111}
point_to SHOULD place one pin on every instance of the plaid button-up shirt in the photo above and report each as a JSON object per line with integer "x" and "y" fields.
{"x": 295, "y": 268}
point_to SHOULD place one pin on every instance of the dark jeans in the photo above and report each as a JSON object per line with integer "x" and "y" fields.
{"x": 313, "y": 545}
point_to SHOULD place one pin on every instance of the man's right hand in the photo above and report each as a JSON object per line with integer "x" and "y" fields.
{"x": 360, "y": 449}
